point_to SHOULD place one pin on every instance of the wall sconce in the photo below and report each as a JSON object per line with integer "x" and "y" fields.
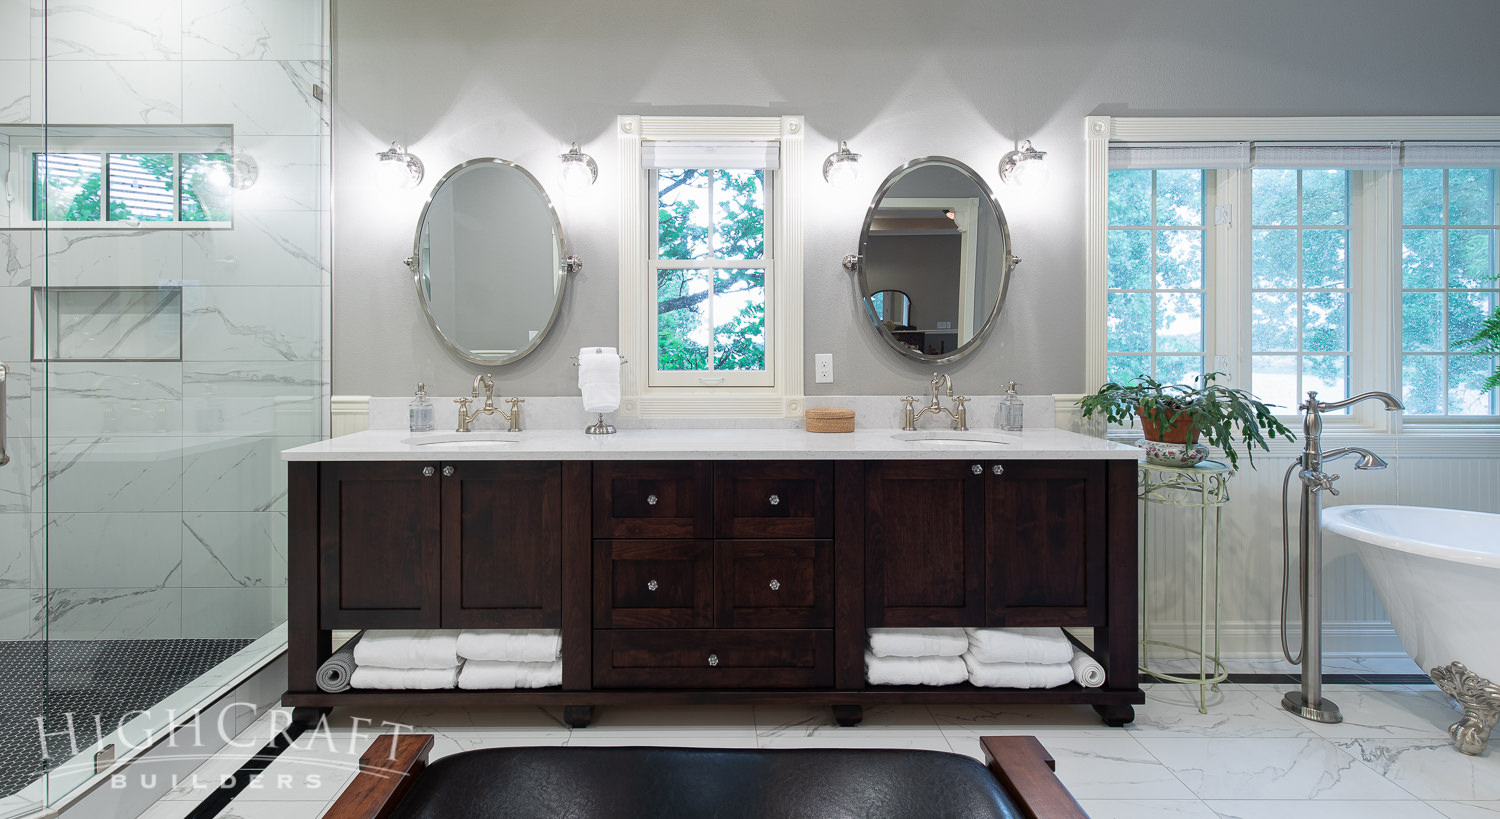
{"x": 397, "y": 170}
{"x": 841, "y": 167}
{"x": 579, "y": 170}
{"x": 1024, "y": 167}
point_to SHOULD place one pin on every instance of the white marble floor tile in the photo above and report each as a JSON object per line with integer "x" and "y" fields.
{"x": 537, "y": 721}
{"x": 1320, "y": 809}
{"x": 736, "y": 739}
{"x": 930, "y": 740}
{"x": 274, "y": 810}
{"x": 444, "y": 744}
{"x": 796, "y": 720}
{"x": 303, "y": 774}
{"x": 1117, "y": 767}
{"x": 1146, "y": 809}
{"x": 169, "y": 810}
{"x": 1233, "y": 711}
{"x": 1396, "y": 712}
{"x": 700, "y": 720}
{"x": 1431, "y": 768}
{"x": 977, "y": 720}
{"x": 1269, "y": 768}
{"x": 1467, "y": 810}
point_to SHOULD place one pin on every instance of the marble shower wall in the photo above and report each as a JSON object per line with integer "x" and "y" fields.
{"x": 147, "y": 499}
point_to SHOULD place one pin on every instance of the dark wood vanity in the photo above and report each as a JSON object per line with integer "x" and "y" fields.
{"x": 682, "y": 582}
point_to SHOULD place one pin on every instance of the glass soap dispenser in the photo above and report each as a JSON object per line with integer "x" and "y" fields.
{"x": 1011, "y": 409}
{"x": 419, "y": 411}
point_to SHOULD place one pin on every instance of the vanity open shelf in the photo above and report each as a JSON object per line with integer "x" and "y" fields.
{"x": 715, "y": 580}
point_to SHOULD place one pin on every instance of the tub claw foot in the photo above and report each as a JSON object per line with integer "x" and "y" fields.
{"x": 1480, "y": 699}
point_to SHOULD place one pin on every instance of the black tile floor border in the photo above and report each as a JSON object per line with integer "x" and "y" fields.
{"x": 88, "y": 678}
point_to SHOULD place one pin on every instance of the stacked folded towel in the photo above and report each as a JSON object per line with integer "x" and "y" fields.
{"x": 406, "y": 659}
{"x": 911, "y": 656}
{"x": 1028, "y": 658}
{"x": 510, "y": 658}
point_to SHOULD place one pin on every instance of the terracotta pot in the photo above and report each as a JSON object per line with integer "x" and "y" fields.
{"x": 1181, "y": 431}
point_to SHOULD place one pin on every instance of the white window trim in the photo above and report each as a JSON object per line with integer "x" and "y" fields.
{"x": 784, "y": 398}
{"x": 1229, "y": 335}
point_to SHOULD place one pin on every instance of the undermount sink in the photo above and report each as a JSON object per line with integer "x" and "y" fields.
{"x": 461, "y": 439}
{"x": 953, "y": 438}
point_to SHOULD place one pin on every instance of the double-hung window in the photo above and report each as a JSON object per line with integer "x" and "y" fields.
{"x": 1298, "y": 256}
{"x": 710, "y": 247}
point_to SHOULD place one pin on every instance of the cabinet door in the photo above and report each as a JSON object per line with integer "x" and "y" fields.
{"x": 1045, "y": 544}
{"x": 502, "y": 544}
{"x": 378, "y": 545}
{"x": 773, "y": 499}
{"x": 775, "y": 583}
{"x": 653, "y": 583}
{"x": 924, "y": 544}
{"x": 653, "y": 499}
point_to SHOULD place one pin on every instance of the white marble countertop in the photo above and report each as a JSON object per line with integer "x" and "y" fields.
{"x": 1044, "y": 443}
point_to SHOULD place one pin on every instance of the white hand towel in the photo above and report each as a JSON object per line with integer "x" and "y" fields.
{"x": 482, "y": 675}
{"x": 1086, "y": 670}
{"x": 599, "y": 378}
{"x": 918, "y": 642}
{"x": 518, "y": 645}
{"x": 914, "y": 670}
{"x": 403, "y": 679}
{"x": 1020, "y": 645}
{"x": 1018, "y": 675}
{"x": 417, "y": 648}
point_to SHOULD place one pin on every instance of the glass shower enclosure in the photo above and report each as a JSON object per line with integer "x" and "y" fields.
{"x": 164, "y": 304}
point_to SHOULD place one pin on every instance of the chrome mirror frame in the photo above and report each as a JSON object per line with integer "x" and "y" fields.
{"x": 857, "y": 263}
{"x": 569, "y": 265}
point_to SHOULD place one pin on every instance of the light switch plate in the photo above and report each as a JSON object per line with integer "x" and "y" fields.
{"x": 823, "y": 368}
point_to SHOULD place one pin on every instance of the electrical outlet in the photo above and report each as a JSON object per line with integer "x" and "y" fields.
{"x": 823, "y": 368}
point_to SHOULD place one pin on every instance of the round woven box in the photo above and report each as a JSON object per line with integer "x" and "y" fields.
{"x": 829, "y": 420}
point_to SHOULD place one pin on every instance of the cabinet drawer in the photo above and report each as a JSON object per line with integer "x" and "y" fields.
{"x": 748, "y": 658}
{"x": 774, "y": 499}
{"x": 653, "y": 499}
{"x": 775, "y": 583}
{"x": 653, "y": 584}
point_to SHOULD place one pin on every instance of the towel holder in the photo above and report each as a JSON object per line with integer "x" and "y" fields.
{"x": 599, "y": 427}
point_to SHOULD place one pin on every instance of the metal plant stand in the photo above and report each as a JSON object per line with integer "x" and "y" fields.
{"x": 1206, "y": 488}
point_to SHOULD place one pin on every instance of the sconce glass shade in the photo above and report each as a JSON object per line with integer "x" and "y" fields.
{"x": 398, "y": 170}
{"x": 579, "y": 170}
{"x": 841, "y": 167}
{"x": 1024, "y": 167}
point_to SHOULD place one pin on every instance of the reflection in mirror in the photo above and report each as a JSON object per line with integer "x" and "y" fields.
{"x": 488, "y": 261}
{"x": 935, "y": 260}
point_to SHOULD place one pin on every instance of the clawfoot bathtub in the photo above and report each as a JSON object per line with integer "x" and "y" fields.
{"x": 1438, "y": 571}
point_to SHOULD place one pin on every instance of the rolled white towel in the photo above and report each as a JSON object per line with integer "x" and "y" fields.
{"x": 403, "y": 679}
{"x": 511, "y": 645}
{"x": 1020, "y": 645}
{"x": 478, "y": 674}
{"x": 599, "y": 378}
{"x": 1018, "y": 675}
{"x": 914, "y": 670}
{"x": 918, "y": 642}
{"x": 416, "y": 648}
{"x": 333, "y": 674}
{"x": 1086, "y": 670}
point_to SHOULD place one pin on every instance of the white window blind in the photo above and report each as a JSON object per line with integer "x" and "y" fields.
{"x": 1450, "y": 154}
{"x": 1350, "y": 156}
{"x": 1167, "y": 155}
{"x": 757, "y": 155}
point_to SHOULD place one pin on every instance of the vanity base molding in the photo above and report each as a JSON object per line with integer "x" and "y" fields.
{"x": 714, "y": 583}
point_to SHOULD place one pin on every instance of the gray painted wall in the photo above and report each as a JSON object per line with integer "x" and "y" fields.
{"x": 897, "y": 79}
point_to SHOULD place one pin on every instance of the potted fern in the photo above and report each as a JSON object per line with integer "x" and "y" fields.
{"x": 1184, "y": 413}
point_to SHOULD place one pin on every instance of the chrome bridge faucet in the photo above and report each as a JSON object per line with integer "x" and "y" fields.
{"x": 465, "y": 417}
{"x": 959, "y": 414}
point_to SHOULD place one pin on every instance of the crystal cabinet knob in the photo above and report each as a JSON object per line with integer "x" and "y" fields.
{"x": 713, "y": 659}
{"x": 651, "y": 585}
{"x": 998, "y": 469}
{"x": 775, "y": 584}
{"x": 650, "y": 500}
{"x": 977, "y": 469}
{"x": 775, "y": 499}
{"x": 428, "y": 471}
{"x": 447, "y": 471}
